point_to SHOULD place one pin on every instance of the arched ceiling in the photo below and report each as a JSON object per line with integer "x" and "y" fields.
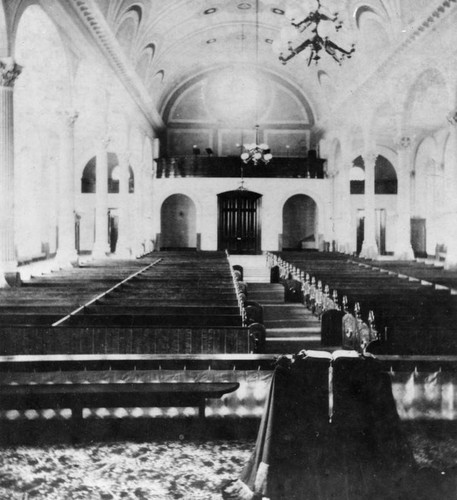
{"x": 169, "y": 41}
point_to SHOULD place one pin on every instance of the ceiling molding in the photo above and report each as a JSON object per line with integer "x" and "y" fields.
{"x": 98, "y": 28}
{"x": 442, "y": 10}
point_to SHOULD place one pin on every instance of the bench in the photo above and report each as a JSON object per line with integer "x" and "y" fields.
{"x": 93, "y": 395}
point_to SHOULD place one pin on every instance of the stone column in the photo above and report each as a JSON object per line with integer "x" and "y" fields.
{"x": 66, "y": 250}
{"x": 140, "y": 209}
{"x": 369, "y": 246}
{"x": 101, "y": 246}
{"x": 344, "y": 203}
{"x": 9, "y": 71}
{"x": 403, "y": 249}
{"x": 450, "y": 227}
{"x": 124, "y": 243}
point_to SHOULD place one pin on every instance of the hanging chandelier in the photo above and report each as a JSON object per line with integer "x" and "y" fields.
{"x": 256, "y": 153}
{"x": 321, "y": 25}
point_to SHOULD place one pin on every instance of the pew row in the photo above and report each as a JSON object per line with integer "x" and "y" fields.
{"x": 123, "y": 340}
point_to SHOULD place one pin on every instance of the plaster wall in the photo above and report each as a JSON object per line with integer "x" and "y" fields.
{"x": 275, "y": 192}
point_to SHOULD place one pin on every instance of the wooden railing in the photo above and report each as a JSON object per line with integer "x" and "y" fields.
{"x": 230, "y": 166}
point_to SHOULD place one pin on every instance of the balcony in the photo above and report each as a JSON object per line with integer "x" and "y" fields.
{"x": 230, "y": 166}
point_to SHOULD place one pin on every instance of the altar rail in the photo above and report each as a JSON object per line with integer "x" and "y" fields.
{"x": 230, "y": 166}
{"x": 424, "y": 387}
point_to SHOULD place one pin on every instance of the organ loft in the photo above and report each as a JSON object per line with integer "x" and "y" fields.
{"x": 229, "y": 222}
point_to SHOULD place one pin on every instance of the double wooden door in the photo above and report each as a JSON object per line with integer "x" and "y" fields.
{"x": 239, "y": 222}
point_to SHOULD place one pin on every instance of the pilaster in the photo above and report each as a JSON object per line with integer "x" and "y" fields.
{"x": 369, "y": 247}
{"x": 124, "y": 243}
{"x": 101, "y": 246}
{"x": 450, "y": 227}
{"x": 403, "y": 249}
{"x": 9, "y": 71}
{"x": 66, "y": 251}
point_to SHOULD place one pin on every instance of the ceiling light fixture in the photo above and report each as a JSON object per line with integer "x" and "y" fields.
{"x": 256, "y": 153}
{"x": 321, "y": 24}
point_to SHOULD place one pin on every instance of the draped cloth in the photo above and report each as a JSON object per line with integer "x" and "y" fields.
{"x": 360, "y": 454}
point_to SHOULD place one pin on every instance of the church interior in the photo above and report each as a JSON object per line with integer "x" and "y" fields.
{"x": 228, "y": 230}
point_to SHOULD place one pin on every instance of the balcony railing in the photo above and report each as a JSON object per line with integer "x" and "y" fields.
{"x": 230, "y": 166}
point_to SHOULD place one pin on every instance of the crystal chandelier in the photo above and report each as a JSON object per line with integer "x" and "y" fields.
{"x": 290, "y": 43}
{"x": 255, "y": 152}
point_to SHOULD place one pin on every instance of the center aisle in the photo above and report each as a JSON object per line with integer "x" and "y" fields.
{"x": 290, "y": 327}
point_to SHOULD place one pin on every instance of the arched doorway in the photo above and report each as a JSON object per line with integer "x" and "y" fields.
{"x": 299, "y": 223}
{"x": 239, "y": 222}
{"x": 178, "y": 218}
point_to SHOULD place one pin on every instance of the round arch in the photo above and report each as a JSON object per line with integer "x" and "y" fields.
{"x": 89, "y": 176}
{"x": 4, "y": 33}
{"x": 178, "y": 222}
{"x": 385, "y": 176}
{"x": 299, "y": 223}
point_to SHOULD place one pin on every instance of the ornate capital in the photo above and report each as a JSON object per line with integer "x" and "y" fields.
{"x": 9, "y": 71}
{"x": 404, "y": 142}
{"x": 105, "y": 141}
{"x": 452, "y": 117}
{"x": 70, "y": 117}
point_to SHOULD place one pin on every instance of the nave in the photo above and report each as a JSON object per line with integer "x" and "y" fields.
{"x": 140, "y": 141}
{"x": 183, "y": 321}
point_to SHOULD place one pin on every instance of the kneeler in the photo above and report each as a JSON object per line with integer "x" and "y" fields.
{"x": 299, "y": 455}
{"x": 289, "y": 445}
{"x": 370, "y": 451}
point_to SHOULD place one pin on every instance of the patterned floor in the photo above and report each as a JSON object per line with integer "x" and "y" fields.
{"x": 159, "y": 469}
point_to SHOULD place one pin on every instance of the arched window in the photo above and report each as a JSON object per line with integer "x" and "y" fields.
{"x": 89, "y": 177}
{"x": 385, "y": 176}
{"x": 88, "y": 180}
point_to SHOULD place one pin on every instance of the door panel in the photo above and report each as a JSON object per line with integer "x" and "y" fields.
{"x": 360, "y": 229}
{"x": 381, "y": 230}
{"x": 419, "y": 237}
{"x": 239, "y": 228}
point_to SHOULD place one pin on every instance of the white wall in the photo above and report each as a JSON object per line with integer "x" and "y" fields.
{"x": 275, "y": 192}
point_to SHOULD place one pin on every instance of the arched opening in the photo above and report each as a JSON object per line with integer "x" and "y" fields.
{"x": 89, "y": 177}
{"x": 178, "y": 219}
{"x": 385, "y": 184}
{"x": 299, "y": 223}
{"x": 239, "y": 222}
{"x": 385, "y": 176}
{"x": 39, "y": 95}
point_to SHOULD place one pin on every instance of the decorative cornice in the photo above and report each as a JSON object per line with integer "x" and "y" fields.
{"x": 97, "y": 26}
{"x": 443, "y": 8}
{"x": 9, "y": 71}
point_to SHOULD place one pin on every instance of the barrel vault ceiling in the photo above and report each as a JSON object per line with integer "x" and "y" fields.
{"x": 169, "y": 42}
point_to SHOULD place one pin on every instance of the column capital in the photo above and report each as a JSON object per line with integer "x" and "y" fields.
{"x": 452, "y": 117}
{"x": 70, "y": 116}
{"x": 105, "y": 141}
{"x": 404, "y": 142}
{"x": 9, "y": 71}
